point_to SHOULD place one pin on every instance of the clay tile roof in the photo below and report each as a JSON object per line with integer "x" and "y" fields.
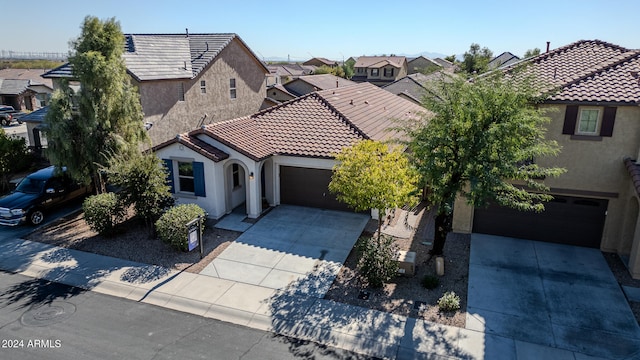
{"x": 317, "y": 125}
{"x": 380, "y": 61}
{"x": 192, "y": 142}
{"x": 634, "y": 172}
{"x": 587, "y": 70}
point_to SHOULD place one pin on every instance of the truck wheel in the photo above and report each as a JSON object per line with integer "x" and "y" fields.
{"x": 5, "y": 122}
{"x": 35, "y": 217}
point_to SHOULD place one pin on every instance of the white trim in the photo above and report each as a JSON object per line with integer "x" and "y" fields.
{"x": 598, "y": 120}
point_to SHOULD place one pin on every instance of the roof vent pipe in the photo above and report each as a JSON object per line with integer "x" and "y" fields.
{"x": 187, "y": 30}
{"x": 337, "y": 84}
{"x": 548, "y": 43}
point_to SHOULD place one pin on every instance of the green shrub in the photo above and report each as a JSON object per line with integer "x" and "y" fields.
{"x": 103, "y": 212}
{"x": 430, "y": 282}
{"x": 449, "y": 302}
{"x": 378, "y": 261}
{"x": 172, "y": 225}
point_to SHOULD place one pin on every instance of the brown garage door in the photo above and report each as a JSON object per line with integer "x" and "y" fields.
{"x": 308, "y": 187}
{"x": 566, "y": 220}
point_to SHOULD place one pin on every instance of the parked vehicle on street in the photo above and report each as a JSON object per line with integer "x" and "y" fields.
{"x": 8, "y": 115}
{"x": 37, "y": 193}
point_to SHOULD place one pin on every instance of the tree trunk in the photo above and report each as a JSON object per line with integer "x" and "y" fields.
{"x": 443, "y": 222}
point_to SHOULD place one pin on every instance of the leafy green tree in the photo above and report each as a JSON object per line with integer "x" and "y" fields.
{"x": 105, "y": 117}
{"x": 451, "y": 59}
{"x": 349, "y": 68}
{"x": 324, "y": 69}
{"x": 14, "y": 157}
{"x": 370, "y": 176}
{"x": 142, "y": 182}
{"x": 532, "y": 53}
{"x": 476, "y": 60}
{"x": 481, "y": 137}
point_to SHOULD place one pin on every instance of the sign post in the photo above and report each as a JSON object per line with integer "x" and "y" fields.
{"x": 194, "y": 234}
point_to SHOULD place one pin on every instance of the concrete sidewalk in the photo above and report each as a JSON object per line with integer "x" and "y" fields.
{"x": 286, "y": 312}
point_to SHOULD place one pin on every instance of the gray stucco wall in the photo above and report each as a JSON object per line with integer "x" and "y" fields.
{"x": 161, "y": 99}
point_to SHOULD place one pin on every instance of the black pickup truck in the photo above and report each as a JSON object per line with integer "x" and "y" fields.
{"x": 8, "y": 114}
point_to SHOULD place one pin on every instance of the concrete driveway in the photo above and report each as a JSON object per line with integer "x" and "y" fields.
{"x": 549, "y": 294}
{"x": 291, "y": 246}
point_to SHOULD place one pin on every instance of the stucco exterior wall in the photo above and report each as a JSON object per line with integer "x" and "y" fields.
{"x": 595, "y": 169}
{"x": 170, "y": 116}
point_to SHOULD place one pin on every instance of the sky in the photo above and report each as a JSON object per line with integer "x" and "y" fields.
{"x": 299, "y": 30}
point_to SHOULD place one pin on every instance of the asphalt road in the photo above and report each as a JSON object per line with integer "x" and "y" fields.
{"x": 45, "y": 320}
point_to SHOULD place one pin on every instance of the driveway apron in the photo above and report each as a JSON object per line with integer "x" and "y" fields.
{"x": 291, "y": 246}
{"x": 550, "y": 294}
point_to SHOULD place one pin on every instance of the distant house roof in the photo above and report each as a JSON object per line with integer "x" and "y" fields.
{"x": 412, "y": 86}
{"x": 587, "y": 71}
{"x": 321, "y": 61}
{"x": 13, "y": 87}
{"x": 506, "y": 58}
{"x": 281, "y": 88}
{"x": 316, "y": 125}
{"x": 435, "y": 63}
{"x": 291, "y": 69}
{"x": 444, "y": 63}
{"x": 168, "y": 56}
{"x": 320, "y": 82}
{"x": 380, "y": 61}
{"x": 35, "y": 75}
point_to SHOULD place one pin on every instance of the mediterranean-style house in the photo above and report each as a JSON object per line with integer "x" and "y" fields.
{"x": 281, "y": 155}
{"x": 504, "y": 59}
{"x": 283, "y": 73}
{"x": 24, "y": 89}
{"x": 304, "y": 85}
{"x": 379, "y": 70}
{"x": 319, "y": 61}
{"x": 595, "y": 118}
{"x": 413, "y": 87}
{"x": 187, "y": 80}
{"x": 422, "y": 64}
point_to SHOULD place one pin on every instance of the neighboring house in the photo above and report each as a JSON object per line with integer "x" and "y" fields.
{"x": 25, "y": 89}
{"x": 412, "y": 87}
{"x": 422, "y": 64}
{"x": 307, "y": 84}
{"x": 595, "y": 118}
{"x": 321, "y": 62}
{"x": 504, "y": 59}
{"x": 34, "y": 121}
{"x": 446, "y": 64}
{"x": 282, "y": 73}
{"x": 380, "y": 70}
{"x": 281, "y": 155}
{"x": 278, "y": 94}
{"x": 188, "y": 80}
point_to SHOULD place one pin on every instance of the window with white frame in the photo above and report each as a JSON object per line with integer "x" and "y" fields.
{"x": 203, "y": 87}
{"x": 185, "y": 177}
{"x": 375, "y": 72}
{"x": 588, "y": 121}
{"x": 388, "y": 72}
{"x": 232, "y": 88}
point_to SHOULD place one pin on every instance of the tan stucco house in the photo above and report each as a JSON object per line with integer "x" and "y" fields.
{"x": 595, "y": 118}
{"x": 189, "y": 80}
{"x": 379, "y": 70}
{"x": 281, "y": 155}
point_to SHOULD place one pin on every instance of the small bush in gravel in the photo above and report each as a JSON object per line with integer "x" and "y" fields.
{"x": 172, "y": 225}
{"x": 430, "y": 282}
{"x": 449, "y": 302}
{"x": 378, "y": 259}
{"x": 103, "y": 212}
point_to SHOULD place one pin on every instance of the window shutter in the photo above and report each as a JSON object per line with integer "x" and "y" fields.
{"x": 168, "y": 163}
{"x": 570, "y": 119}
{"x": 608, "y": 119}
{"x": 198, "y": 179}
